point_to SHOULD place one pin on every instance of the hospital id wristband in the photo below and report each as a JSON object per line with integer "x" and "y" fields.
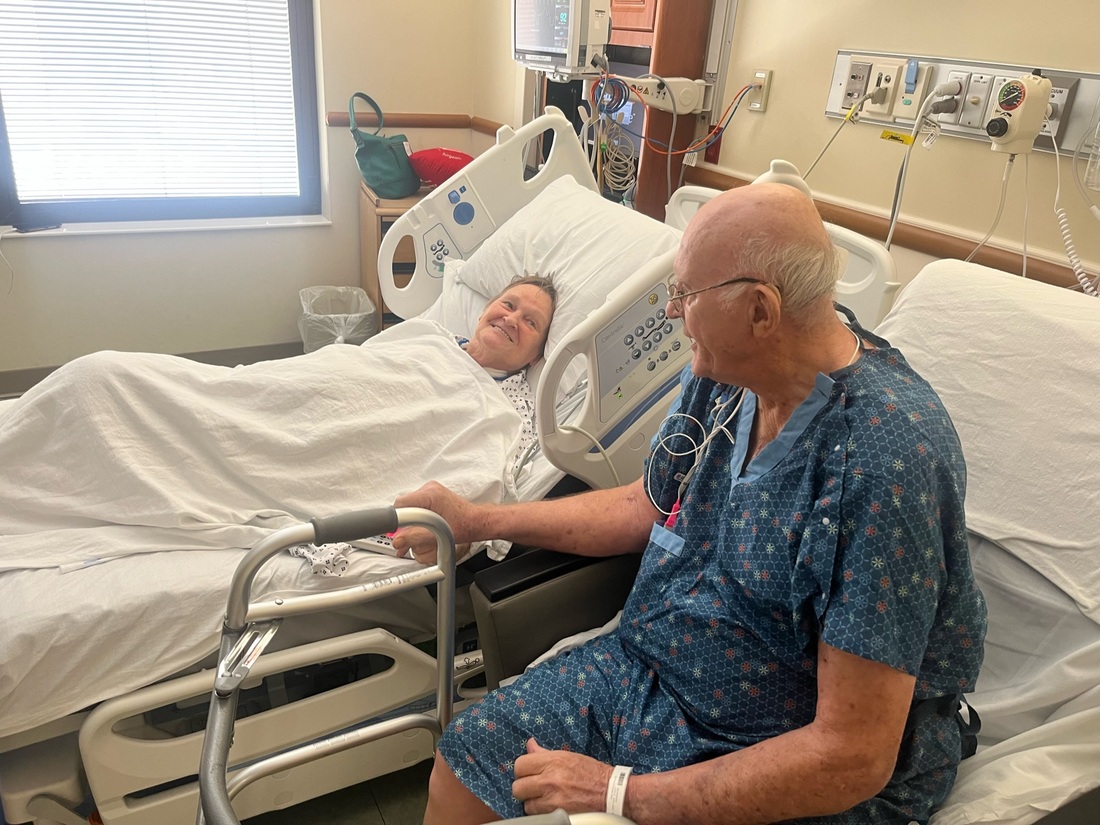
{"x": 616, "y": 790}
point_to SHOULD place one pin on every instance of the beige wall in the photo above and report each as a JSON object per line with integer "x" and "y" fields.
{"x": 209, "y": 290}
{"x": 956, "y": 186}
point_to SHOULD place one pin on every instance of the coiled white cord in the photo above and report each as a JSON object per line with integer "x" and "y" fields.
{"x": 1088, "y": 286}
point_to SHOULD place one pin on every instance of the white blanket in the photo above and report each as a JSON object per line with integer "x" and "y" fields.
{"x": 123, "y": 453}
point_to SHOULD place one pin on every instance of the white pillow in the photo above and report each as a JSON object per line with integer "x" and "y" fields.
{"x": 458, "y": 307}
{"x": 588, "y": 244}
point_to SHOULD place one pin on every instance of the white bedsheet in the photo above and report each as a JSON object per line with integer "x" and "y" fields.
{"x": 69, "y": 640}
{"x": 170, "y": 454}
{"x": 1016, "y": 369}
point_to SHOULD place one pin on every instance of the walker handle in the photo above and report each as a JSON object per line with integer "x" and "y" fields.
{"x": 358, "y": 524}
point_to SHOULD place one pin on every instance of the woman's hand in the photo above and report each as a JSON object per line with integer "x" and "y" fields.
{"x": 459, "y": 513}
{"x": 547, "y": 780}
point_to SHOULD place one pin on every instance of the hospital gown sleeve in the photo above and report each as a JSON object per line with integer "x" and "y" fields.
{"x": 899, "y": 514}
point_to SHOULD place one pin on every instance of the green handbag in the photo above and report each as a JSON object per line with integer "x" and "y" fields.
{"x": 383, "y": 161}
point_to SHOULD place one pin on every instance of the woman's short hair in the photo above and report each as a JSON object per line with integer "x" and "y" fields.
{"x": 543, "y": 282}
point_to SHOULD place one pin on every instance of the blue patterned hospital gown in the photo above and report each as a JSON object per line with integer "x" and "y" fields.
{"x": 847, "y": 528}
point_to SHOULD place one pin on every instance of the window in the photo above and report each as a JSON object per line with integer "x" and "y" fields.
{"x": 124, "y": 110}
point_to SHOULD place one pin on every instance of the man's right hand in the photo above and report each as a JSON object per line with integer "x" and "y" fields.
{"x": 459, "y": 513}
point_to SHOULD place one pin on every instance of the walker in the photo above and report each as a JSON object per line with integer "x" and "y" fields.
{"x": 249, "y": 627}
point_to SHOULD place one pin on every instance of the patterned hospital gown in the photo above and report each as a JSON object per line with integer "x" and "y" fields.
{"x": 847, "y": 528}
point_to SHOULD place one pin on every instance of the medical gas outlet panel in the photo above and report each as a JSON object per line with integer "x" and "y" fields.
{"x": 640, "y": 346}
{"x": 904, "y": 81}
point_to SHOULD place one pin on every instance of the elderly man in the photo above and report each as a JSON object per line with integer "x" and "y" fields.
{"x": 805, "y": 614}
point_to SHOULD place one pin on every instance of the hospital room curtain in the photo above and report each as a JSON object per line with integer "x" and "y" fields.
{"x": 154, "y": 109}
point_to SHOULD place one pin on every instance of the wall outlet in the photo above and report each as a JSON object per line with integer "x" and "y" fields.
{"x": 855, "y": 86}
{"x": 960, "y": 98}
{"x": 1061, "y": 98}
{"x": 906, "y": 104}
{"x": 887, "y": 76}
{"x": 976, "y": 101}
{"x": 758, "y": 98}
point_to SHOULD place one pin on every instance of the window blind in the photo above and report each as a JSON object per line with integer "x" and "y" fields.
{"x": 156, "y": 102}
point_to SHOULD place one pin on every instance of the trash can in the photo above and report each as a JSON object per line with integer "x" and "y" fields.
{"x": 336, "y": 315}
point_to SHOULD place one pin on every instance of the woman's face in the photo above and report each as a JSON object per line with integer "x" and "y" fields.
{"x": 512, "y": 330}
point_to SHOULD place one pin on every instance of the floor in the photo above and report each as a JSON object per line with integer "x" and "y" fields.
{"x": 396, "y": 799}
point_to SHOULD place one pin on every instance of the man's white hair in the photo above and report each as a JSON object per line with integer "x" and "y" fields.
{"x": 802, "y": 271}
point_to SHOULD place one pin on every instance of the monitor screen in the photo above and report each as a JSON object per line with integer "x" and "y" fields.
{"x": 542, "y": 26}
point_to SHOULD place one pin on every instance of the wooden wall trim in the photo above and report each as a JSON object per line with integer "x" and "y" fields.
{"x": 416, "y": 120}
{"x": 917, "y": 238}
{"x": 484, "y": 126}
{"x": 404, "y": 119}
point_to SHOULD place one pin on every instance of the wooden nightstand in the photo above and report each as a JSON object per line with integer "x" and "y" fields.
{"x": 376, "y": 216}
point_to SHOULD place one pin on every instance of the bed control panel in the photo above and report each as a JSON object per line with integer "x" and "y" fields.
{"x": 438, "y": 248}
{"x": 638, "y": 351}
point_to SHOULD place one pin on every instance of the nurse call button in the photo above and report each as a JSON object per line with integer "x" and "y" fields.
{"x": 464, "y": 213}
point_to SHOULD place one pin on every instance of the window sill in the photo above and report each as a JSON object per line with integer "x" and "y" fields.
{"x": 147, "y": 227}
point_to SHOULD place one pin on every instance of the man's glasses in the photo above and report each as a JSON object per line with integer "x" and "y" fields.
{"x": 676, "y": 296}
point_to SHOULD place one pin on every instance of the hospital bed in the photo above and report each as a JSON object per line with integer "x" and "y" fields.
{"x": 1015, "y": 363}
{"x": 105, "y": 670}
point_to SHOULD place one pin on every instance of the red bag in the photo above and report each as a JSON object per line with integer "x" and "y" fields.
{"x": 436, "y": 165}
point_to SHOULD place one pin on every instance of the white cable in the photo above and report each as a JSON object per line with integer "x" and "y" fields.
{"x": 899, "y": 187}
{"x": 1089, "y": 287}
{"x": 1000, "y": 208}
{"x": 852, "y": 114}
{"x": 696, "y": 448}
{"x": 619, "y": 167}
{"x": 568, "y": 428}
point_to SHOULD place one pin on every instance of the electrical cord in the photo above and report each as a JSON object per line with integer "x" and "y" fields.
{"x": 610, "y": 93}
{"x": 950, "y": 88}
{"x": 569, "y": 428}
{"x": 853, "y": 113}
{"x": 1000, "y": 208}
{"x": 1089, "y": 287}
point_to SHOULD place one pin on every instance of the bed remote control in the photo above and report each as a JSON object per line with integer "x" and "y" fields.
{"x": 376, "y": 544}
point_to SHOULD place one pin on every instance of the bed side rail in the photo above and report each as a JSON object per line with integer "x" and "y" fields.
{"x": 633, "y": 355}
{"x": 453, "y": 220}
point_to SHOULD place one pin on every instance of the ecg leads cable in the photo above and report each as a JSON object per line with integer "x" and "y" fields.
{"x": 698, "y": 448}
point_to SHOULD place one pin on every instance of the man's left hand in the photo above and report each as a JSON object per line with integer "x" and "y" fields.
{"x": 547, "y": 780}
